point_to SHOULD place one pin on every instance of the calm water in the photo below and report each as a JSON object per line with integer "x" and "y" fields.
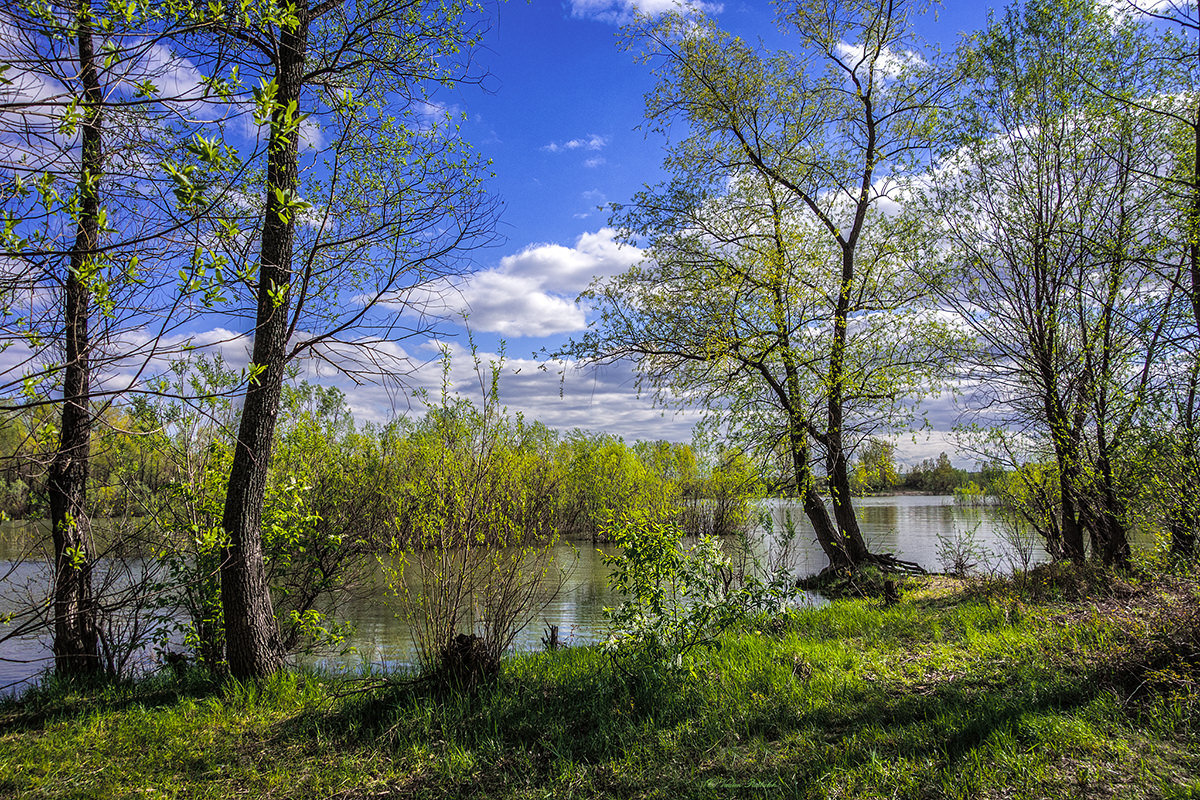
{"x": 907, "y": 526}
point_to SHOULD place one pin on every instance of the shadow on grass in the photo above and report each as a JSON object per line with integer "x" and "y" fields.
{"x": 665, "y": 736}
{"x": 55, "y": 700}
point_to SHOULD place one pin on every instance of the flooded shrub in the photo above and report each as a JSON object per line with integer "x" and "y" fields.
{"x": 472, "y": 563}
{"x": 961, "y": 553}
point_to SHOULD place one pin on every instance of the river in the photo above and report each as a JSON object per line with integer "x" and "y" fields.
{"x": 915, "y": 528}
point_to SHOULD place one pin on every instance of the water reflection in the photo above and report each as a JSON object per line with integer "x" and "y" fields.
{"x": 909, "y": 527}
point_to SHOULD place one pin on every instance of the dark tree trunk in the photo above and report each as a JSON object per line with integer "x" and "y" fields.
{"x": 837, "y": 467}
{"x": 790, "y": 397}
{"x": 1072, "y": 530}
{"x": 814, "y": 505}
{"x": 1187, "y": 519}
{"x": 1183, "y": 535}
{"x": 843, "y": 509}
{"x": 252, "y": 642}
{"x": 76, "y": 641}
{"x": 1064, "y": 429}
{"x": 1114, "y": 538}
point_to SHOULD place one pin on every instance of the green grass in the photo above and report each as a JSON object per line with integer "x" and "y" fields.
{"x": 948, "y": 694}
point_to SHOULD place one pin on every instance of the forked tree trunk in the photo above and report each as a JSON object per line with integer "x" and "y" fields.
{"x": 76, "y": 640}
{"x": 814, "y": 504}
{"x": 1114, "y": 537}
{"x": 252, "y": 642}
{"x": 836, "y": 463}
{"x": 843, "y": 510}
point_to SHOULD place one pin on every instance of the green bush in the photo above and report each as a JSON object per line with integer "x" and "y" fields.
{"x": 677, "y": 599}
{"x": 473, "y": 559}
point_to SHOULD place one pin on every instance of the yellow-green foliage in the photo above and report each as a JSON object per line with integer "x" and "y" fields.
{"x": 601, "y": 475}
{"x": 474, "y": 529}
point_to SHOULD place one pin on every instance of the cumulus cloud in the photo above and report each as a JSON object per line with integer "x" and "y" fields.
{"x": 622, "y": 11}
{"x": 515, "y": 306}
{"x": 532, "y": 293}
{"x": 593, "y": 141}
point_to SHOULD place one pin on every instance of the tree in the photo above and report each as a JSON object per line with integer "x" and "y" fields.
{"x": 775, "y": 289}
{"x": 390, "y": 204}
{"x": 1053, "y": 222}
{"x": 88, "y": 219}
{"x": 1171, "y": 429}
{"x": 876, "y": 467}
{"x": 935, "y": 476}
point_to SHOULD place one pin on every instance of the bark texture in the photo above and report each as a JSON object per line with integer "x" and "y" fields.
{"x": 253, "y": 648}
{"x": 76, "y": 639}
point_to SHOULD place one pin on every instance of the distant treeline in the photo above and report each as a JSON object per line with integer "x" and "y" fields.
{"x": 162, "y": 460}
{"x": 875, "y": 472}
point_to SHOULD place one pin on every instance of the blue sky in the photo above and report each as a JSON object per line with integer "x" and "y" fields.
{"x": 560, "y": 116}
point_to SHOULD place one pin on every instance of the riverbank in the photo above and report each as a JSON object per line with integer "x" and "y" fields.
{"x": 1053, "y": 685}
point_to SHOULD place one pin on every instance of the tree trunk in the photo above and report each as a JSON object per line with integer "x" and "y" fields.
{"x": 814, "y": 505}
{"x": 843, "y": 509}
{"x": 1072, "y": 530}
{"x": 1064, "y": 436}
{"x": 1185, "y": 517}
{"x": 837, "y": 468}
{"x": 1183, "y": 535}
{"x": 76, "y": 641}
{"x": 1114, "y": 537}
{"x": 1184, "y": 526}
{"x": 252, "y": 643}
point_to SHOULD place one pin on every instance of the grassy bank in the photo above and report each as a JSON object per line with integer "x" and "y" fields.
{"x": 1060, "y": 687}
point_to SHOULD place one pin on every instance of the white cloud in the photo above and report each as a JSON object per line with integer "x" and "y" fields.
{"x": 1140, "y": 7}
{"x": 532, "y": 293}
{"x": 513, "y": 306}
{"x": 177, "y": 80}
{"x": 622, "y": 11}
{"x": 571, "y": 269}
{"x": 592, "y": 141}
{"x": 559, "y": 395}
{"x": 889, "y": 63}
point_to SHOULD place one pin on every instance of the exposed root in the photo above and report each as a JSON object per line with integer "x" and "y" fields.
{"x": 889, "y": 563}
{"x": 878, "y": 576}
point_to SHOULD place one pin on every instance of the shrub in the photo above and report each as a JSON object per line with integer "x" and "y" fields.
{"x": 475, "y": 561}
{"x": 676, "y": 599}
